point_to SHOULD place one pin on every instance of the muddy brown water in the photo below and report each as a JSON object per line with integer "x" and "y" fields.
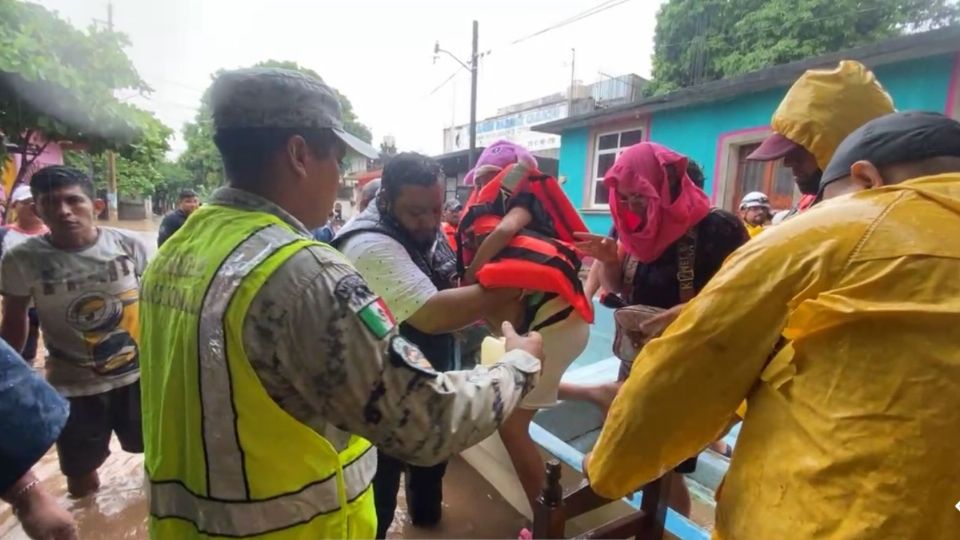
{"x": 117, "y": 511}
{"x": 471, "y": 508}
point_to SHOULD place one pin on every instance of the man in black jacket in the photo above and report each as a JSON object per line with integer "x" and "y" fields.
{"x": 187, "y": 202}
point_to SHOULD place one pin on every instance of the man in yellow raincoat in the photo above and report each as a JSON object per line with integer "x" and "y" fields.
{"x": 852, "y": 432}
{"x": 819, "y": 111}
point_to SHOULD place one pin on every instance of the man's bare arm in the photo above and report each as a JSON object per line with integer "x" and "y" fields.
{"x": 367, "y": 380}
{"x": 453, "y": 309}
{"x": 14, "y": 327}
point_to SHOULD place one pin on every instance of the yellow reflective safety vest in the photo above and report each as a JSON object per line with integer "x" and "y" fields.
{"x": 222, "y": 458}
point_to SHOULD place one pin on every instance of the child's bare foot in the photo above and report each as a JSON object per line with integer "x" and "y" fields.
{"x": 601, "y": 395}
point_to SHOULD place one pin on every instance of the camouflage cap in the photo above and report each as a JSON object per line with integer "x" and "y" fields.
{"x": 273, "y": 98}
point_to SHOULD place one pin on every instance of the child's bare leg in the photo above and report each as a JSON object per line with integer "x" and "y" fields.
{"x": 515, "y": 434}
{"x": 600, "y": 395}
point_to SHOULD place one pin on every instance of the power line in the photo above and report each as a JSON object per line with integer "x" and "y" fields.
{"x": 444, "y": 83}
{"x": 604, "y": 6}
{"x": 135, "y": 94}
{"x": 156, "y": 101}
{"x": 599, "y": 8}
{"x": 178, "y": 84}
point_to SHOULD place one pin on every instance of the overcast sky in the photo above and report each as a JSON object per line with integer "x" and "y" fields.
{"x": 379, "y": 53}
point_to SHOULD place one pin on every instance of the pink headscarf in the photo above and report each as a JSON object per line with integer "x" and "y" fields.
{"x": 500, "y": 154}
{"x": 641, "y": 170}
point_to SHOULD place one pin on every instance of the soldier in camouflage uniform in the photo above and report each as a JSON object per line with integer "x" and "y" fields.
{"x": 322, "y": 344}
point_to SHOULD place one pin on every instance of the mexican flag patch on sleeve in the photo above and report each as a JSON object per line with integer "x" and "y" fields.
{"x": 377, "y": 318}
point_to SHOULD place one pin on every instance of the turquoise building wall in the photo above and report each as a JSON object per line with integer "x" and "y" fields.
{"x": 694, "y": 131}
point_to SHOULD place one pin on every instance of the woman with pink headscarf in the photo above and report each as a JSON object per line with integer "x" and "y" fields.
{"x": 666, "y": 230}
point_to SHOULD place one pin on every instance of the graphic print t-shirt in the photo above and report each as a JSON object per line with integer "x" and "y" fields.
{"x": 88, "y": 303}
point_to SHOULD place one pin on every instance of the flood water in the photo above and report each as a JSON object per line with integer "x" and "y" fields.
{"x": 117, "y": 511}
{"x": 472, "y": 509}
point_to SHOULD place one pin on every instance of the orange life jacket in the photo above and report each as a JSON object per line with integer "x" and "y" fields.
{"x": 540, "y": 257}
{"x": 451, "y": 233}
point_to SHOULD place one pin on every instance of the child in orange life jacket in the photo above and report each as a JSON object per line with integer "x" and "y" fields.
{"x": 516, "y": 230}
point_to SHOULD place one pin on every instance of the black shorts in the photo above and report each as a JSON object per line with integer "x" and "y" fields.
{"x": 687, "y": 466}
{"x": 84, "y": 443}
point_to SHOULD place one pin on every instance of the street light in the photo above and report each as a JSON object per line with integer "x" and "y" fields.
{"x": 437, "y": 50}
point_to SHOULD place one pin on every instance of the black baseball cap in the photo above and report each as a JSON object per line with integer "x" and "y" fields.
{"x": 899, "y": 137}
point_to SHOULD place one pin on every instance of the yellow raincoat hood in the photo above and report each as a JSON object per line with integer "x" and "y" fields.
{"x": 824, "y": 106}
{"x": 852, "y": 431}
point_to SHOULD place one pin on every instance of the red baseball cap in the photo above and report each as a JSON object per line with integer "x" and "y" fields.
{"x": 775, "y": 146}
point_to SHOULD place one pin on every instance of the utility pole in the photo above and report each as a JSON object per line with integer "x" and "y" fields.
{"x": 573, "y": 73}
{"x": 112, "y": 207}
{"x": 472, "y": 67}
{"x": 474, "y": 64}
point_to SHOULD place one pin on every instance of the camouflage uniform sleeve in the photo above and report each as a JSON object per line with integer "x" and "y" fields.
{"x": 368, "y": 380}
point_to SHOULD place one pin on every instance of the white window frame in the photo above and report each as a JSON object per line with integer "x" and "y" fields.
{"x": 592, "y": 178}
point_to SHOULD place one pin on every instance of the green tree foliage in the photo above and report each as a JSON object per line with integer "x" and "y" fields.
{"x": 142, "y": 167}
{"x": 59, "y": 81}
{"x": 703, "y": 40}
{"x": 201, "y": 159}
{"x": 173, "y": 178}
{"x": 351, "y": 124}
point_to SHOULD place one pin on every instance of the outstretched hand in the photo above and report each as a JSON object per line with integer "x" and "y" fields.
{"x": 601, "y": 248}
{"x": 43, "y": 519}
{"x": 531, "y": 343}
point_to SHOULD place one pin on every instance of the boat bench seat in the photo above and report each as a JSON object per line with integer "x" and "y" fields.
{"x": 554, "y": 509}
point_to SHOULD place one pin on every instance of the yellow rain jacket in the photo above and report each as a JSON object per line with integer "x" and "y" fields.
{"x": 851, "y": 433}
{"x": 824, "y": 106}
